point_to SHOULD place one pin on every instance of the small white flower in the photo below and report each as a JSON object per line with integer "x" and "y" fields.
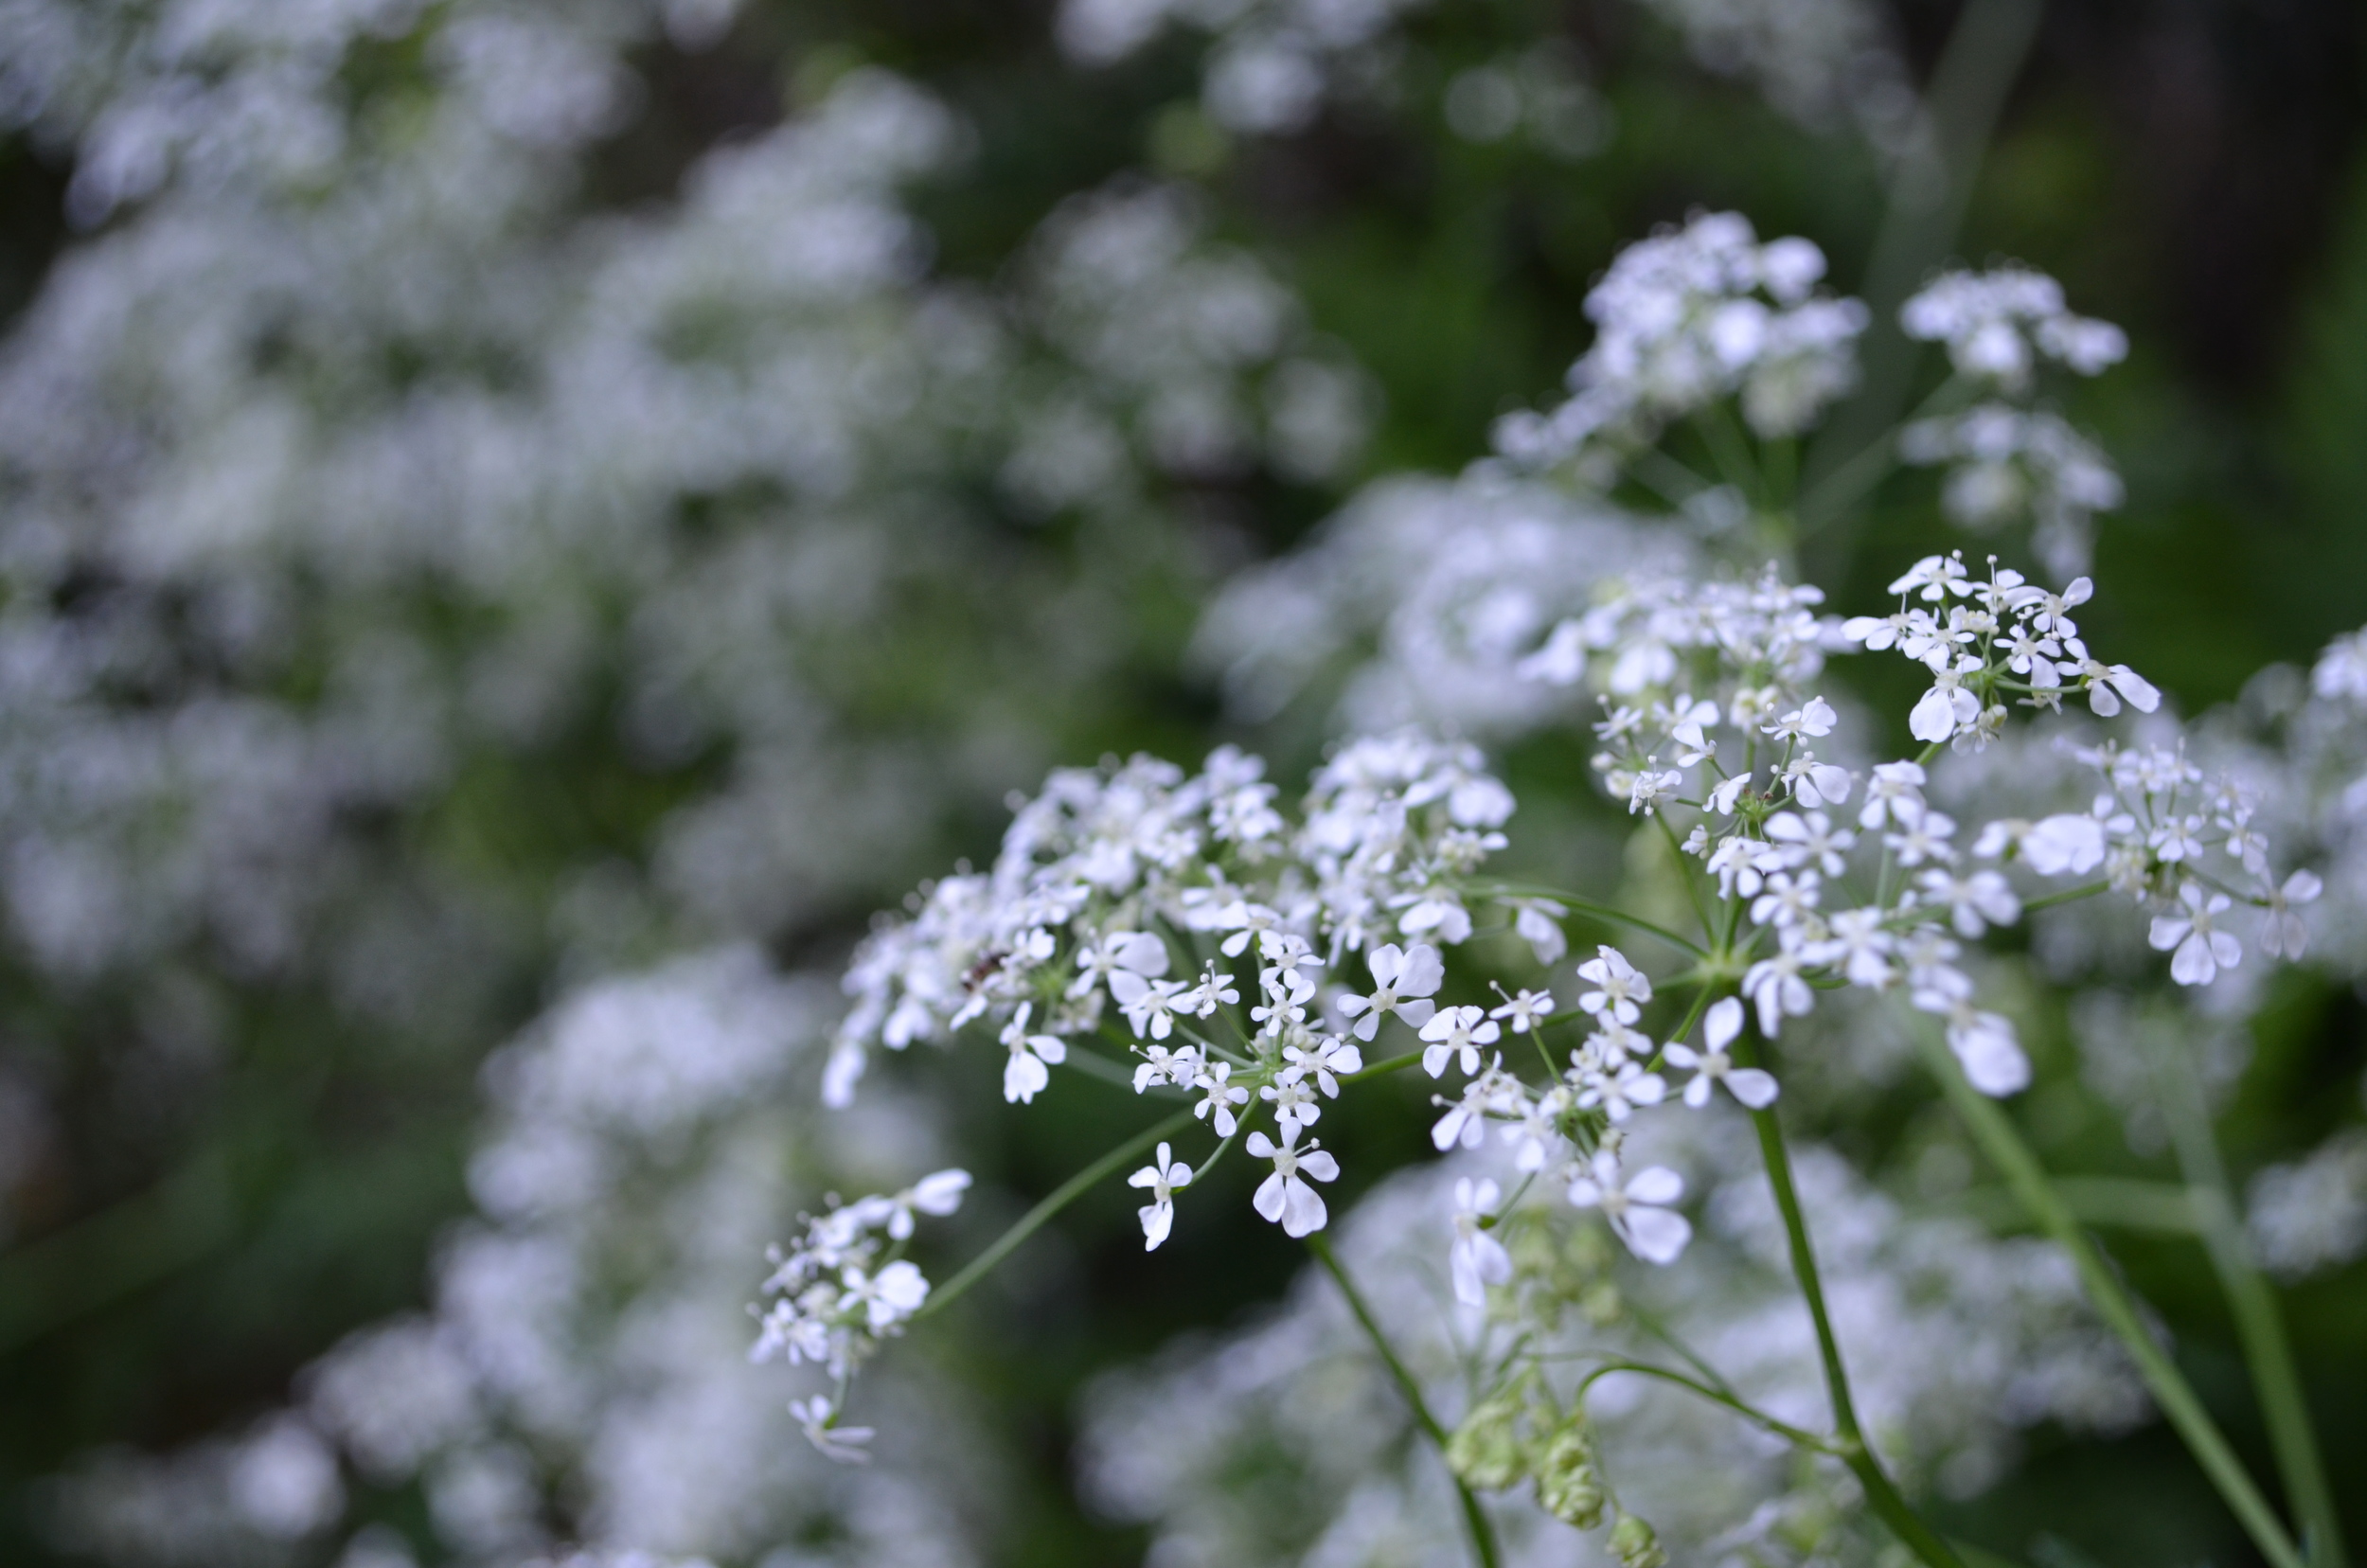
{"x": 939, "y": 1194}
{"x": 1809, "y": 839}
{"x": 1815, "y": 719}
{"x": 1894, "y": 793}
{"x": 1636, "y": 1208}
{"x": 1777, "y": 986}
{"x": 1713, "y": 1065}
{"x": 1539, "y": 923}
{"x": 1974, "y": 903}
{"x": 1162, "y": 1178}
{"x": 1402, "y": 983}
{"x": 842, "y": 1443}
{"x": 1222, "y": 1098}
{"x": 1983, "y": 1041}
{"x": 1524, "y": 1011}
{"x": 2284, "y": 935}
{"x": 1025, "y": 1075}
{"x": 2203, "y": 950}
{"x": 1456, "y": 1029}
{"x": 1133, "y": 952}
{"x": 1477, "y": 1259}
{"x": 1619, "y": 986}
{"x": 888, "y": 1298}
{"x": 1321, "y": 1058}
{"x": 1789, "y": 900}
{"x": 1618, "y": 1091}
{"x": 1293, "y": 1101}
{"x": 1947, "y": 706}
{"x": 1283, "y": 1198}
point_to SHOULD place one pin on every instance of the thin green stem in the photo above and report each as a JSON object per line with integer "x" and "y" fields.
{"x": 1482, "y": 1533}
{"x": 1809, "y": 1440}
{"x": 1382, "y": 1069}
{"x": 2069, "y": 895}
{"x": 1035, "y": 1218}
{"x": 2259, "y": 1326}
{"x": 2004, "y": 1146}
{"x": 1882, "y": 1494}
{"x": 1597, "y": 911}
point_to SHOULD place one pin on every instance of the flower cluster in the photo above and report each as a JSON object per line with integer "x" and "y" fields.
{"x": 2005, "y": 464}
{"x": 1998, "y": 324}
{"x": 1683, "y": 320}
{"x": 843, "y": 1289}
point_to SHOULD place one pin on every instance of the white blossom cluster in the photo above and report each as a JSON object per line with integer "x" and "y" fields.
{"x": 2007, "y": 462}
{"x": 842, "y": 1289}
{"x": 2311, "y": 1215}
{"x": 1683, "y": 320}
{"x": 2007, "y": 465}
{"x": 1420, "y": 598}
{"x": 1939, "y": 1318}
{"x": 1273, "y": 65}
{"x": 579, "y": 1392}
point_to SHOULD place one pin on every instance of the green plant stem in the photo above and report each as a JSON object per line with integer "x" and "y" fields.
{"x": 1035, "y": 1218}
{"x": 1976, "y": 70}
{"x": 1597, "y": 911}
{"x": 1882, "y": 1494}
{"x": 2259, "y": 1326}
{"x": 1809, "y": 1440}
{"x": 2004, "y": 1146}
{"x": 2069, "y": 895}
{"x": 1482, "y": 1533}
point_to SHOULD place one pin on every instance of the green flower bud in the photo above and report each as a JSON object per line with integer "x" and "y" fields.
{"x": 1635, "y": 1545}
{"x": 1486, "y": 1451}
{"x": 1567, "y": 1486}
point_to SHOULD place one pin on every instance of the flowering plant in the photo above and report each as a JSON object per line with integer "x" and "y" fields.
{"x": 1182, "y": 933}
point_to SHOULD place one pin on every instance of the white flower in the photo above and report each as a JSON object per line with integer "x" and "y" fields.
{"x": 1477, "y": 1259}
{"x": 1947, "y": 706}
{"x": 1816, "y": 719}
{"x": 888, "y": 1298}
{"x": 1777, "y": 986}
{"x": 940, "y": 1194}
{"x": 1524, "y": 1011}
{"x": 1618, "y": 1091}
{"x": 1222, "y": 1098}
{"x": 1983, "y": 1041}
{"x": 1636, "y": 1208}
{"x": 1648, "y": 785}
{"x": 2203, "y": 950}
{"x": 1538, "y": 922}
{"x": 1789, "y": 900}
{"x": 1456, "y": 1029}
{"x": 1401, "y": 982}
{"x": 2283, "y": 934}
{"x": 1025, "y": 1075}
{"x": 1809, "y": 839}
{"x": 1974, "y": 903}
{"x": 1895, "y": 793}
{"x": 1282, "y": 1197}
{"x": 1619, "y": 986}
{"x": 1293, "y": 1101}
{"x": 1857, "y": 946}
{"x": 1711, "y": 1065}
{"x": 842, "y": 1443}
{"x": 1133, "y": 952}
{"x": 1320, "y": 1059}
{"x": 1162, "y": 1178}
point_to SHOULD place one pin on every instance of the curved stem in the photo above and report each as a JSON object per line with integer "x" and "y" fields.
{"x": 2259, "y": 1327}
{"x": 1597, "y": 911}
{"x": 1059, "y": 1198}
{"x": 1882, "y": 1494}
{"x": 1809, "y": 1440}
{"x": 1995, "y": 1134}
{"x": 1475, "y": 1517}
{"x": 2069, "y": 895}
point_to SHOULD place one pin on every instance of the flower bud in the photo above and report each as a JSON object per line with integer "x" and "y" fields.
{"x": 1567, "y": 1486}
{"x": 1486, "y": 1451}
{"x": 1635, "y": 1545}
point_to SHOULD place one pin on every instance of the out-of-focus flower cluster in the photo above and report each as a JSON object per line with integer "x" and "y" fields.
{"x": 581, "y": 1377}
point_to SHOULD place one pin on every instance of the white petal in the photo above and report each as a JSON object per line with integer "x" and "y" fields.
{"x": 1268, "y": 1199}
{"x": 1752, "y": 1087}
{"x": 1656, "y": 1184}
{"x": 1305, "y": 1213}
{"x": 1321, "y": 1165}
{"x": 1724, "y": 1022}
{"x": 1416, "y": 1011}
{"x": 1657, "y": 1236}
{"x": 1158, "y": 1220}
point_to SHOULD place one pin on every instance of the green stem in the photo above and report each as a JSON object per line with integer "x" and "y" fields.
{"x": 2259, "y": 1327}
{"x": 2069, "y": 895}
{"x": 1035, "y": 1218}
{"x": 1809, "y": 1440}
{"x": 1995, "y": 1133}
{"x": 1597, "y": 911}
{"x": 1482, "y": 1533}
{"x": 1882, "y": 1494}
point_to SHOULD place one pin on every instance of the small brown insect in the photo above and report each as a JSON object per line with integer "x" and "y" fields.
{"x": 984, "y": 967}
